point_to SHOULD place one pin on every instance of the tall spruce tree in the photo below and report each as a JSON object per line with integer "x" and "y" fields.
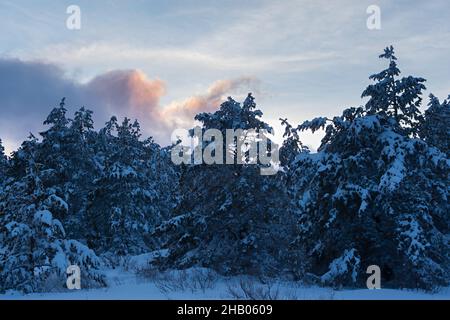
{"x": 67, "y": 154}
{"x": 230, "y": 217}
{"x": 371, "y": 195}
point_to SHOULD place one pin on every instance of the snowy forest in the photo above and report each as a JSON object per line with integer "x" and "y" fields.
{"x": 376, "y": 192}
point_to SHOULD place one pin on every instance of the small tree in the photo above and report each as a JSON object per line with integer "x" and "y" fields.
{"x": 34, "y": 252}
{"x": 395, "y": 98}
{"x": 3, "y": 163}
{"x": 435, "y": 129}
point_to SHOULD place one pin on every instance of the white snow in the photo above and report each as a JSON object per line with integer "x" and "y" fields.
{"x": 366, "y": 122}
{"x": 44, "y": 217}
{"x": 58, "y": 202}
{"x": 341, "y": 265}
{"x": 60, "y": 261}
{"x": 125, "y": 285}
{"x": 17, "y": 229}
{"x": 142, "y": 261}
{"x": 413, "y": 235}
{"x": 118, "y": 171}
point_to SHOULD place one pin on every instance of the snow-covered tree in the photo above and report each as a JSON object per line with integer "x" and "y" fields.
{"x": 125, "y": 202}
{"x": 397, "y": 98}
{"x": 3, "y": 163}
{"x": 373, "y": 194}
{"x": 292, "y": 145}
{"x": 34, "y": 251}
{"x": 67, "y": 155}
{"x": 230, "y": 217}
{"x": 435, "y": 129}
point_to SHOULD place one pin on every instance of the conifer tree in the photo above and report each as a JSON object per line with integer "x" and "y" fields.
{"x": 230, "y": 218}
{"x": 395, "y": 98}
{"x": 125, "y": 202}
{"x": 371, "y": 195}
{"x": 35, "y": 252}
{"x": 3, "y": 163}
{"x": 435, "y": 129}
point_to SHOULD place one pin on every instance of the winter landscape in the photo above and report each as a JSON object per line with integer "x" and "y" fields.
{"x": 95, "y": 210}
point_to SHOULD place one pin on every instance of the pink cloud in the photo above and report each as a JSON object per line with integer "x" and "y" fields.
{"x": 130, "y": 93}
{"x": 128, "y": 90}
{"x": 30, "y": 89}
{"x": 181, "y": 113}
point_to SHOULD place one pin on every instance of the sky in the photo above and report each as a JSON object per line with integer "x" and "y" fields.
{"x": 162, "y": 62}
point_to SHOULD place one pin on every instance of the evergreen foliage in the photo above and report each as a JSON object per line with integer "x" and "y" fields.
{"x": 375, "y": 193}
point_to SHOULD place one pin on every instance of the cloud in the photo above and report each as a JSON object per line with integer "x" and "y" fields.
{"x": 125, "y": 93}
{"x": 28, "y": 91}
{"x": 178, "y": 114}
{"x": 131, "y": 93}
{"x": 96, "y": 53}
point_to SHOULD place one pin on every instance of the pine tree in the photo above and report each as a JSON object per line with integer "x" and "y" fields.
{"x": 80, "y": 187}
{"x": 435, "y": 129}
{"x": 81, "y": 169}
{"x": 370, "y": 196}
{"x": 397, "y": 99}
{"x": 230, "y": 218}
{"x": 292, "y": 146}
{"x": 376, "y": 192}
{"x": 125, "y": 202}
{"x": 35, "y": 252}
{"x": 3, "y": 163}
{"x": 67, "y": 156}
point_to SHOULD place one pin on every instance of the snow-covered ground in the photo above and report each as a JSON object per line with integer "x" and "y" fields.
{"x": 126, "y": 285}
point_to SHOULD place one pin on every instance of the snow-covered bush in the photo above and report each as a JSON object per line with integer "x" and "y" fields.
{"x": 343, "y": 269}
{"x": 192, "y": 279}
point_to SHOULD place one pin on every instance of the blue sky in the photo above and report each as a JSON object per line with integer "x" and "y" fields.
{"x": 300, "y": 58}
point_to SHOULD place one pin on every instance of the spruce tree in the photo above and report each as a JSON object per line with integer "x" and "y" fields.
{"x": 230, "y": 217}
{"x": 435, "y": 129}
{"x": 125, "y": 201}
{"x": 371, "y": 195}
{"x": 395, "y": 98}
{"x": 3, "y": 163}
{"x": 35, "y": 252}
